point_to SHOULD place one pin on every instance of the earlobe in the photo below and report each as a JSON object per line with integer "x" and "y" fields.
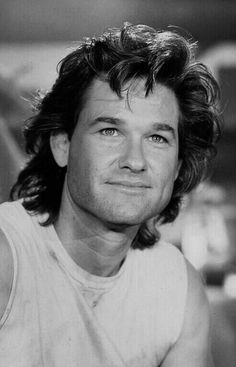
{"x": 60, "y": 144}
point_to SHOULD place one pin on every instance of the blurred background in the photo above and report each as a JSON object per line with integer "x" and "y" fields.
{"x": 35, "y": 35}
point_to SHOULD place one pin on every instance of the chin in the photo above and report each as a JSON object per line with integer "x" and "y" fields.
{"x": 124, "y": 220}
{"x": 124, "y": 223}
{"x": 124, "y": 214}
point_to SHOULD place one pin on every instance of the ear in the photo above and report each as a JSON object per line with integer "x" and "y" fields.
{"x": 60, "y": 144}
{"x": 178, "y": 169}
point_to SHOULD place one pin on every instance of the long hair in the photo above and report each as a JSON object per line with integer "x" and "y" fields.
{"x": 122, "y": 56}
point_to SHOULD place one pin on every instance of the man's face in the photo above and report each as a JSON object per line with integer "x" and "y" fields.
{"x": 123, "y": 156}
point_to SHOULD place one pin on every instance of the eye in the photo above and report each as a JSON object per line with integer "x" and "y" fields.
{"x": 109, "y": 132}
{"x": 157, "y": 139}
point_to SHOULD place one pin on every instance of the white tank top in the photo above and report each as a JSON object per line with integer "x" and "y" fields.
{"x": 59, "y": 315}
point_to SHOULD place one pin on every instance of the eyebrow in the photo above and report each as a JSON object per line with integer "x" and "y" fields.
{"x": 158, "y": 126}
{"x": 164, "y": 127}
{"x": 107, "y": 119}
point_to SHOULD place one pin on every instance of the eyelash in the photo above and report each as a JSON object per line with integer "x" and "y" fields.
{"x": 110, "y": 129}
{"x": 160, "y": 139}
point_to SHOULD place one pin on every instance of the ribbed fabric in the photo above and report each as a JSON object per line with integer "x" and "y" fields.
{"x": 59, "y": 315}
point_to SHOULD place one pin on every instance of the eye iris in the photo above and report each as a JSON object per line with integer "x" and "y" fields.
{"x": 156, "y": 138}
{"x": 109, "y": 131}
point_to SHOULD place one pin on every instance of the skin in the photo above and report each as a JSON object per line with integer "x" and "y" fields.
{"x": 6, "y": 272}
{"x": 193, "y": 347}
{"x": 122, "y": 163}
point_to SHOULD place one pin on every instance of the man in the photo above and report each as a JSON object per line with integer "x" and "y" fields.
{"x": 127, "y": 129}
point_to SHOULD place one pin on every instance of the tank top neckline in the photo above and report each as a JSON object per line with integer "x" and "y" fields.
{"x": 79, "y": 274}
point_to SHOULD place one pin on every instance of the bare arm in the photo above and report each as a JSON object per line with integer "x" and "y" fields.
{"x": 193, "y": 346}
{"x": 6, "y": 273}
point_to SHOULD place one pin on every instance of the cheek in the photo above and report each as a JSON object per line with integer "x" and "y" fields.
{"x": 84, "y": 170}
{"x": 166, "y": 170}
{"x": 164, "y": 181}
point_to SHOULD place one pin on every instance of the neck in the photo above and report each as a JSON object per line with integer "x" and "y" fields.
{"x": 96, "y": 247}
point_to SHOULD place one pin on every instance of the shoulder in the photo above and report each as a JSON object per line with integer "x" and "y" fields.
{"x": 193, "y": 345}
{"x": 166, "y": 259}
{"x": 197, "y": 318}
{"x": 162, "y": 272}
{"x": 11, "y": 210}
{"x": 6, "y": 272}
{"x": 196, "y": 290}
{"x": 197, "y": 306}
{"x": 162, "y": 261}
{"x": 14, "y": 218}
{"x": 162, "y": 250}
{"x": 11, "y": 218}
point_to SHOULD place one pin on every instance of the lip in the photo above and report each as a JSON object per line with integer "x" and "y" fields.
{"x": 129, "y": 184}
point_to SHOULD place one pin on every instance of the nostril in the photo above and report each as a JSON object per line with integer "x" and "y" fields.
{"x": 134, "y": 165}
{"x": 133, "y": 157}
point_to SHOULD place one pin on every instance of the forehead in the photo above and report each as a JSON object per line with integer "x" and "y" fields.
{"x": 161, "y": 103}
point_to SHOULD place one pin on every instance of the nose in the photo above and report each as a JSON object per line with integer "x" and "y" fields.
{"x": 133, "y": 157}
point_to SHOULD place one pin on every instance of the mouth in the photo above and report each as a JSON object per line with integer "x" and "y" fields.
{"x": 128, "y": 185}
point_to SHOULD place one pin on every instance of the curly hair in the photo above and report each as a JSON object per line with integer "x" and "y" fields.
{"x": 122, "y": 56}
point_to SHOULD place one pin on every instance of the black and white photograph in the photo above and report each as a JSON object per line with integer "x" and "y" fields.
{"x": 117, "y": 183}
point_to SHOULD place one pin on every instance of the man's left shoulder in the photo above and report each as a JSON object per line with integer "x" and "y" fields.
{"x": 193, "y": 344}
{"x": 197, "y": 299}
{"x": 163, "y": 261}
{"x": 166, "y": 253}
